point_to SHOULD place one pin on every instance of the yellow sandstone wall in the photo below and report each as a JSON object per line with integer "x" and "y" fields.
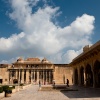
{"x": 62, "y": 73}
{"x": 4, "y": 75}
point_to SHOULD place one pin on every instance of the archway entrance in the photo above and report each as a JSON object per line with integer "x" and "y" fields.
{"x": 76, "y": 77}
{"x": 82, "y": 75}
{"x": 15, "y": 81}
{"x": 1, "y": 80}
{"x": 97, "y": 73}
{"x": 89, "y": 76}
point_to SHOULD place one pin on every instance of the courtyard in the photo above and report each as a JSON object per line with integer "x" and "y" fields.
{"x": 33, "y": 93}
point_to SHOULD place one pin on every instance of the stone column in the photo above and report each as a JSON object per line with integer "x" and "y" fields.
{"x": 34, "y": 75}
{"x": 27, "y": 76}
{"x": 43, "y": 76}
{"x": 49, "y": 77}
{"x": 79, "y": 77}
{"x": 9, "y": 76}
{"x": 15, "y": 75}
{"x": 85, "y": 76}
{"x": 37, "y": 76}
{"x": 22, "y": 80}
{"x": 74, "y": 81}
{"x": 46, "y": 76}
{"x": 52, "y": 76}
{"x": 19, "y": 81}
{"x": 94, "y": 84}
{"x": 18, "y": 74}
{"x": 31, "y": 76}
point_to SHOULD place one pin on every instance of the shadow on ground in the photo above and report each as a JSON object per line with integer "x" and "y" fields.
{"x": 82, "y": 92}
{"x": 74, "y": 91}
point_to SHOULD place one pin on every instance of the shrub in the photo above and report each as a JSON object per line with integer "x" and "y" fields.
{"x": 1, "y": 89}
{"x": 21, "y": 84}
{"x": 9, "y": 90}
{"x": 5, "y": 87}
{"x": 12, "y": 87}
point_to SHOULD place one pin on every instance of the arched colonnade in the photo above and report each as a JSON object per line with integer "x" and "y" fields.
{"x": 87, "y": 75}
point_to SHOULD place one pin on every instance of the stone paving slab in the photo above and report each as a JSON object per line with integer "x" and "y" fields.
{"x": 32, "y": 93}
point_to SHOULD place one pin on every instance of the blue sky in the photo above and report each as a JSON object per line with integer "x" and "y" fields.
{"x": 55, "y": 29}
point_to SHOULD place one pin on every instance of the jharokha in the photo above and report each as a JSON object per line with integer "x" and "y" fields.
{"x": 84, "y": 70}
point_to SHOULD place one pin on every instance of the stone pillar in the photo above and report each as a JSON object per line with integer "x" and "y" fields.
{"x": 52, "y": 76}
{"x": 73, "y": 76}
{"x": 94, "y": 77}
{"x": 34, "y": 75}
{"x": 85, "y": 82}
{"x": 37, "y": 76}
{"x": 46, "y": 76}
{"x": 79, "y": 77}
{"x": 43, "y": 76}
{"x": 19, "y": 81}
{"x": 49, "y": 77}
{"x": 17, "y": 74}
{"x": 9, "y": 76}
{"x": 27, "y": 76}
{"x": 22, "y": 80}
{"x": 94, "y": 84}
{"x": 31, "y": 76}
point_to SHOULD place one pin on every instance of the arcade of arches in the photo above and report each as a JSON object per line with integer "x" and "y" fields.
{"x": 86, "y": 67}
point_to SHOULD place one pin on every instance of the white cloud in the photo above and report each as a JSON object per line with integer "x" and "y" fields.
{"x": 41, "y": 37}
{"x": 9, "y": 61}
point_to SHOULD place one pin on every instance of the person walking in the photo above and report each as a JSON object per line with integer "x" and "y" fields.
{"x": 67, "y": 82}
{"x": 39, "y": 84}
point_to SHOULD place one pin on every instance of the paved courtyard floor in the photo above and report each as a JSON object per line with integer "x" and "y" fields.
{"x": 32, "y": 93}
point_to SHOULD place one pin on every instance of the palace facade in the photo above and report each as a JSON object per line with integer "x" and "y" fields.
{"x": 32, "y": 70}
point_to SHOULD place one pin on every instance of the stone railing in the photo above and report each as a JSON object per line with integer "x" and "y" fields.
{"x": 17, "y": 88}
{"x": 2, "y": 95}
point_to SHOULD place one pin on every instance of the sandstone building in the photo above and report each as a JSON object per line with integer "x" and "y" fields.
{"x": 4, "y": 73}
{"x": 32, "y": 70}
{"x": 86, "y": 66}
{"x": 84, "y": 70}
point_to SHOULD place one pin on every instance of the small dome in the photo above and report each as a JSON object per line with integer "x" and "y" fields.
{"x": 45, "y": 60}
{"x": 20, "y": 59}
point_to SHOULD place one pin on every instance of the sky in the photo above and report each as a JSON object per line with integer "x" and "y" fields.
{"x": 55, "y": 29}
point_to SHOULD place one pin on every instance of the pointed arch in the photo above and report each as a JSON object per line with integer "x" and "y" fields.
{"x": 96, "y": 70}
{"x": 82, "y": 75}
{"x": 76, "y": 76}
{"x": 89, "y": 76}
